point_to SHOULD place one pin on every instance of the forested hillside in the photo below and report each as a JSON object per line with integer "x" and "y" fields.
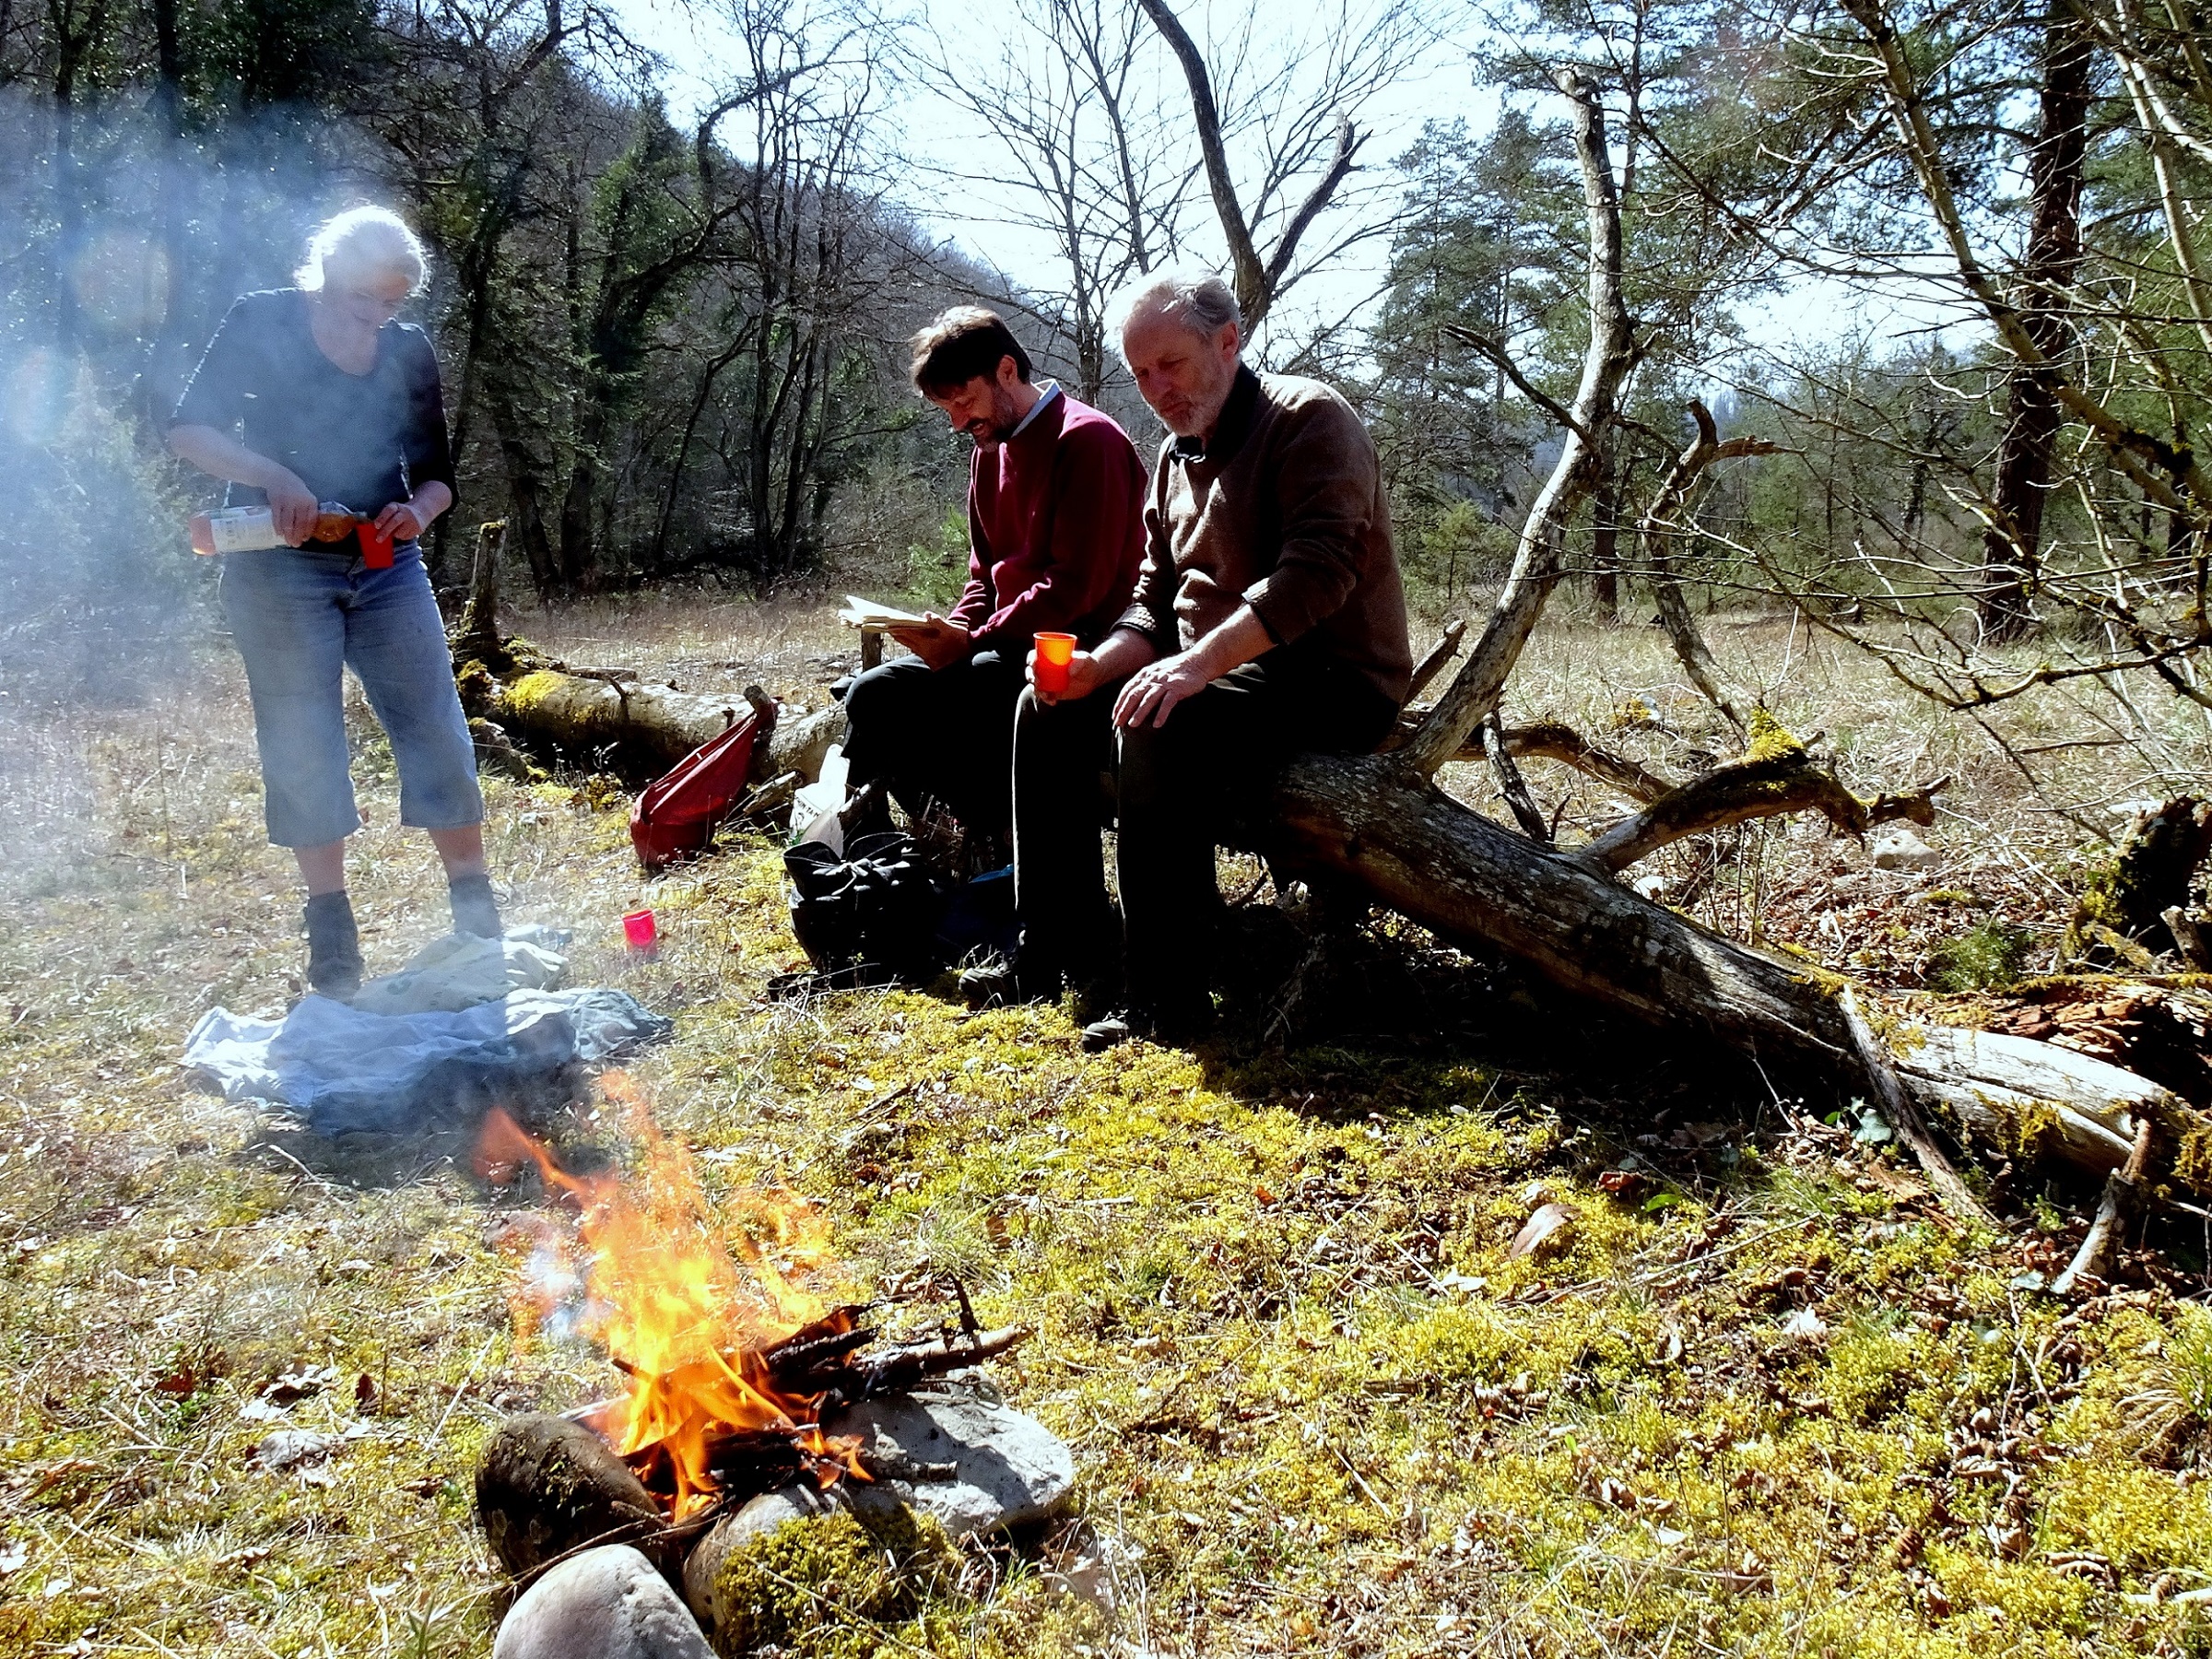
{"x": 670, "y": 334}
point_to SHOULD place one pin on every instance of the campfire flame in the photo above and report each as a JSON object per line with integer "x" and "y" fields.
{"x": 683, "y": 1310}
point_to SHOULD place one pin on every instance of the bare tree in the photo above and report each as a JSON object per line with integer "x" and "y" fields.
{"x": 1279, "y": 140}
{"x": 1073, "y": 103}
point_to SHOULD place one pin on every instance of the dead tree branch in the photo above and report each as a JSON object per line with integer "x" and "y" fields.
{"x": 1511, "y": 784}
{"x": 1498, "y": 355}
{"x": 2122, "y": 1202}
{"x": 477, "y": 637}
{"x": 1774, "y": 779}
{"x": 1551, "y": 741}
{"x": 1538, "y": 562}
{"x": 1902, "y": 1115}
{"x": 1257, "y": 280}
{"x": 1442, "y": 651}
{"x": 1662, "y": 518}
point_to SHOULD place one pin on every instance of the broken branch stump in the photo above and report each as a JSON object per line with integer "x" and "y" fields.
{"x": 2120, "y": 1202}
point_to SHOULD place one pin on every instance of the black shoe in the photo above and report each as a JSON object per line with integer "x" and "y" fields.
{"x": 334, "y": 947}
{"x": 475, "y": 909}
{"x": 1180, "y": 1026}
{"x": 1000, "y": 984}
{"x": 1110, "y": 1033}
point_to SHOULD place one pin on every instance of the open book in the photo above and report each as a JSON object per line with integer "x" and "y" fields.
{"x": 866, "y": 613}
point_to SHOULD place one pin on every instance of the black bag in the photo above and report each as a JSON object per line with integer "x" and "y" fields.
{"x": 873, "y": 906}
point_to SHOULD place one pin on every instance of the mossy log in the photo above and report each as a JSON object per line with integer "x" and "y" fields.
{"x": 632, "y": 726}
{"x": 606, "y": 717}
{"x": 1423, "y": 853}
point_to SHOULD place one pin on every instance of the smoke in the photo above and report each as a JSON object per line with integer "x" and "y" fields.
{"x": 127, "y": 246}
{"x": 119, "y": 251}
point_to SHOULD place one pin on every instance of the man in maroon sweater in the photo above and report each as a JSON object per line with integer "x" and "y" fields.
{"x": 1055, "y": 533}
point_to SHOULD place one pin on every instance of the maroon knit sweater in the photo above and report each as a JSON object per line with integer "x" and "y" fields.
{"x": 1055, "y": 530}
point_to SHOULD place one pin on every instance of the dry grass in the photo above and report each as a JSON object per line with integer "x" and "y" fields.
{"x": 1276, "y": 1316}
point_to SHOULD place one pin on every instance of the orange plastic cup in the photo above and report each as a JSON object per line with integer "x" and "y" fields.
{"x": 1054, "y": 652}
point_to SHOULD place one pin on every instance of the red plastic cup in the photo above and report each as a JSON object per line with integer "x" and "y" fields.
{"x": 1054, "y": 652}
{"x": 640, "y": 931}
{"x": 376, "y": 547}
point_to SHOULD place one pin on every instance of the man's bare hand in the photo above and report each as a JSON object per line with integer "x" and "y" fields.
{"x": 934, "y": 640}
{"x": 292, "y": 509}
{"x": 1086, "y": 674}
{"x": 1154, "y": 690}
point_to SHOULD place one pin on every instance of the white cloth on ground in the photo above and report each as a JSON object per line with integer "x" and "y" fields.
{"x": 461, "y": 970}
{"x": 347, "y": 1068}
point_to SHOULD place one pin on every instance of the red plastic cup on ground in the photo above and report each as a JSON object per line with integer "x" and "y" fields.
{"x": 639, "y": 931}
{"x": 376, "y": 547}
{"x": 1054, "y": 652}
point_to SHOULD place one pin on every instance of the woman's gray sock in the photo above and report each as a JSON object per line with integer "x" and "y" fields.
{"x": 334, "y": 947}
{"x": 475, "y": 909}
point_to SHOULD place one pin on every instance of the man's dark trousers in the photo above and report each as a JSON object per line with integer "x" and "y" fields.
{"x": 1176, "y": 789}
{"x": 945, "y": 732}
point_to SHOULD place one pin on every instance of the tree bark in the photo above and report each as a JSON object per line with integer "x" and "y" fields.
{"x": 2012, "y": 545}
{"x": 2125, "y": 901}
{"x": 1471, "y": 881}
{"x": 1605, "y": 544}
{"x": 478, "y": 635}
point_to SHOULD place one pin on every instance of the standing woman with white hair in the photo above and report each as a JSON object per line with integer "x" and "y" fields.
{"x": 312, "y": 397}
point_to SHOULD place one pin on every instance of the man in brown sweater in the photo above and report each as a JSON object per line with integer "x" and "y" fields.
{"x": 1268, "y": 619}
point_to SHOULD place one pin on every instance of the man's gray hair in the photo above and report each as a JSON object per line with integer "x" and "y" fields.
{"x": 1190, "y": 295}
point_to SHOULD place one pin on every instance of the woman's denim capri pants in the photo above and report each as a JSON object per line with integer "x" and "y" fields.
{"x": 298, "y": 617}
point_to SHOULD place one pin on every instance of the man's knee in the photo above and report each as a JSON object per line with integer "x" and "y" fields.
{"x": 1172, "y": 767}
{"x": 882, "y": 686}
{"x": 884, "y": 700}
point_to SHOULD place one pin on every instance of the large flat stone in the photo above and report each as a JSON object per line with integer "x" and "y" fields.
{"x": 605, "y": 1603}
{"x": 1006, "y": 1468}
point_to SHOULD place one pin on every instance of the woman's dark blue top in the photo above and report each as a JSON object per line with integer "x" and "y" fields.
{"x": 364, "y": 440}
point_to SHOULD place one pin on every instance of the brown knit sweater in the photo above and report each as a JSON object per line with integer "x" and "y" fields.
{"x": 1284, "y": 509}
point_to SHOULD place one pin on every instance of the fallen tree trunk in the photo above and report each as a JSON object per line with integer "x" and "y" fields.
{"x": 1415, "y": 849}
{"x": 614, "y": 719}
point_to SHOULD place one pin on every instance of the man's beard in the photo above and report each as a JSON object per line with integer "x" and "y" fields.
{"x": 1195, "y": 416}
{"x": 1003, "y": 420}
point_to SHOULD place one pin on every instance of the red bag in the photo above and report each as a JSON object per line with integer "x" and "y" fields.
{"x": 676, "y": 816}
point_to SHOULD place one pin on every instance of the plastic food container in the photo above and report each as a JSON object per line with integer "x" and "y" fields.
{"x": 234, "y": 530}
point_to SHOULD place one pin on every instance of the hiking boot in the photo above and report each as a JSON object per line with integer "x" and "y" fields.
{"x": 475, "y": 909}
{"x": 334, "y": 947}
{"x": 1000, "y": 984}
